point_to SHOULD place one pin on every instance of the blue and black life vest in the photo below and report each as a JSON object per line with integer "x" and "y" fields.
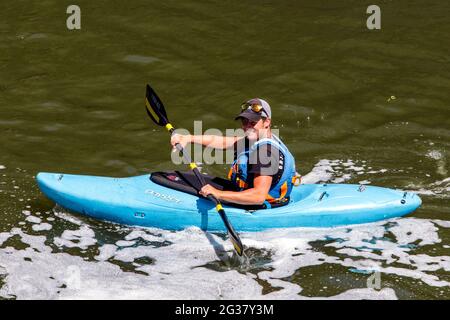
{"x": 279, "y": 192}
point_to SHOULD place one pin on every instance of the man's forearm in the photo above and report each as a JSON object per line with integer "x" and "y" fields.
{"x": 247, "y": 197}
{"x": 211, "y": 141}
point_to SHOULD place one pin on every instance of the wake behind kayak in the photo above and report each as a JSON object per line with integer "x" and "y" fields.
{"x": 141, "y": 202}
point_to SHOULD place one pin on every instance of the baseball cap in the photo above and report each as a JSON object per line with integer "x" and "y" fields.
{"x": 249, "y": 113}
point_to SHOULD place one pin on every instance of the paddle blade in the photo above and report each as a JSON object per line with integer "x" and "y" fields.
{"x": 237, "y": 244}
{"x": 235, "y": 240}
{"x": 155, "y": 108}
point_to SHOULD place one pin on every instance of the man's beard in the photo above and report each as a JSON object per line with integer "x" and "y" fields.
{"x": 251, "y": 132}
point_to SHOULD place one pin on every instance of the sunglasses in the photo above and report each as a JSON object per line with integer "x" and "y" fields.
{"x": 254, "y": 107}
{"x": 246, "y": 122}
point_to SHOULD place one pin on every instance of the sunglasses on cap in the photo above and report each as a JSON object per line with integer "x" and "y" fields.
{"x": 255, "y": 107}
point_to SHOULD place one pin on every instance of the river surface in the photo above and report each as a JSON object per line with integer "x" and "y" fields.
{"x": 353, "y": 105}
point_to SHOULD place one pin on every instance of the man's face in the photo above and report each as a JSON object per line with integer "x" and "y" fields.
{"x": 251, "y": 128}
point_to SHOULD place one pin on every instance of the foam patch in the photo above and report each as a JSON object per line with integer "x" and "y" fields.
{"x": 81, "y": 238}
{"x": 179, "y": 269}
{"x": 42, "y": 227}
{"x": 33, "y": 219}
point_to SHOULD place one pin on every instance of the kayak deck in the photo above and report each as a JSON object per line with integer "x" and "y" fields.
{"x": 139, "y": 201}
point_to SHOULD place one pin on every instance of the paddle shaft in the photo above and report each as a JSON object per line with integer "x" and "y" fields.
{"x": 156, "y": 111}
{"x": 194, "y": 168}
{"x": 235, "y": 238}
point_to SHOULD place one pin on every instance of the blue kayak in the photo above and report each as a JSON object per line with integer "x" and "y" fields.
{"x": 141, "y": 202}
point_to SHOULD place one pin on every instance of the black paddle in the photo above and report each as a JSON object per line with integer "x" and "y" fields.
{"x": 156, "y": 111}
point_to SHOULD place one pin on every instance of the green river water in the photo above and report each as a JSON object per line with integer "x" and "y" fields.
{"x": 353, "y": 105}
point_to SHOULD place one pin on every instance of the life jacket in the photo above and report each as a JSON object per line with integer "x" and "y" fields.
{"x": 278, "y": 193}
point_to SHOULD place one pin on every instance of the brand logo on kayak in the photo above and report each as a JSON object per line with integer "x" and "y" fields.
{"x": 162, "y": 196}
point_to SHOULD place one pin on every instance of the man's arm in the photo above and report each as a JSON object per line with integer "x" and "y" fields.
{"x": 216, "y": 142}
{"x": 211, "y": 141}
{"x": 253, "y": 196}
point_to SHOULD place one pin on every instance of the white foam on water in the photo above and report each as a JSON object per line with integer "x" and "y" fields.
{"x": 438, "y": 188}
{"x": 322, "y": 171}
{"x": 136, "y": 234}
{"x": 367, "y": 294}
{"x": 106, "y": 251}
{"x": 81, "y": 238}
{"x": 336, "y": 171}
{"x": 444, "y": 181}
{"x": 177, "y": 270}
{"x": 131, "y": 254}
{"x": 42, "y": 227}
{"x": 442, "y": 223}
{"x": 187, "y": 278}
{"x": 412, "y": 230}
{"x": 33, "y": 219}
{"x": 200, "y": 284}
{"x": 441, "y": 161}
{"x": 425, "y": 192}
{"x": 4, "y": 236}
{"x": 125, "y": 243}
{"x": 434, "y": 154}
{"x": 342, "y": 179}
{"x": 348, "y": 163}
{"x": 60, "y": 213}
{"x": 104, "y": 280}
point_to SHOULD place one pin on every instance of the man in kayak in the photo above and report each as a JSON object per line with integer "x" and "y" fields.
{"x": 263, "y": 170}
